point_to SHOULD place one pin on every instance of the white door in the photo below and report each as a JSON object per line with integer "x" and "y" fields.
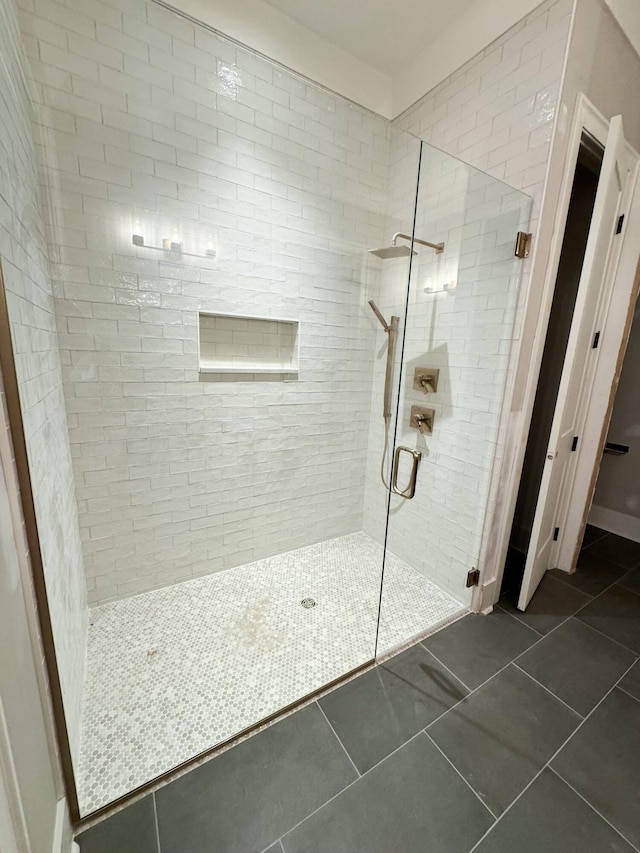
{"x": 580, "y": 362}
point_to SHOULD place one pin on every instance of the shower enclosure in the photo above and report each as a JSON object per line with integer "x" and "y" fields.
{"x": 230, "y": 398}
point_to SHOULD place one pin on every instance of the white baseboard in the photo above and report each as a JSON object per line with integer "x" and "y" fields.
{"x": 615, "y": 522}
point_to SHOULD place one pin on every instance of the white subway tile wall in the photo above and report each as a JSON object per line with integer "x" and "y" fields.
{"x": 155, "y": 126}
{"x": 33, "y": 330}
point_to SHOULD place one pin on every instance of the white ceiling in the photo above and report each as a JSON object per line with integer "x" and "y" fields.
{"x": 385, "y": 34}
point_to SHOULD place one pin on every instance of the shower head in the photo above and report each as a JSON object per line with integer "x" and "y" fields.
{"x": 395, "y": 251}
{"x": 387, "y": 252}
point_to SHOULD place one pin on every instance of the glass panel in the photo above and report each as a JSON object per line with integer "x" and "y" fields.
{"x": 459, "y": 326}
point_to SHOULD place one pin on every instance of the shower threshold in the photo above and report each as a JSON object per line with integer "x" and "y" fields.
{"x": 173, "y": 672}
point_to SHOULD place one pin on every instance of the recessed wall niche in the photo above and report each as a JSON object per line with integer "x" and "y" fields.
{"x": 233, "y": 343}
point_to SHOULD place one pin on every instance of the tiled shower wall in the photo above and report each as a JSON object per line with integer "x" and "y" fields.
{"x": 30, "y": 304}
{"x": 153, "y": 125}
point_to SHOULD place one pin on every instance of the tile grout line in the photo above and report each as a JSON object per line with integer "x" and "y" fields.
{"x": 155, "y": 820}
{"x": 573, "y": 586}
{"x": 277, "y": 842}
{"x": 626, "y": 588}
{"x": 599, "y": 539}
{"x": 466, "y": 782}
{"x": 593, "y": 808}
{"x": 548, "y": 763}
{"x": 450, "y": 671}
{"x": 351, "y": 784}
{"x": 607, "y": 637}
{"x": 337, "y": 736}
{"x": 548, "y": 690}
{"x": 521, "y": 621}
{"x": 630, "y": 695}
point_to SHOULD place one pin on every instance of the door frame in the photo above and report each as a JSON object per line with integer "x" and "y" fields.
{"x": 586, "y": 118}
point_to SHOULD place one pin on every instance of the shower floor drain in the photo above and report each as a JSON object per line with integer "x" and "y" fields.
{"x": 308, "y": 602}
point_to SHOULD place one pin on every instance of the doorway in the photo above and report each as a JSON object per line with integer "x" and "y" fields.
{"x": 578, "y": 224}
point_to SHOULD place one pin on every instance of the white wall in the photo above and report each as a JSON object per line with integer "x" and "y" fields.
{"x": 617, "y": 497}
{"x": 607, "y": 76}
{"x": 178, "y": 474}
{"x": 35, "y": 343}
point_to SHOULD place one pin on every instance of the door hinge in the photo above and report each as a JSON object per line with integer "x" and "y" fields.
{"x": 473, "y": 577}
{"x": 523, "y": 244}
{"x": 556, "y": 533}
{"x": 574, "y": 443}
{"x": 596, "y": 340}
{"x": 620, "y": 224}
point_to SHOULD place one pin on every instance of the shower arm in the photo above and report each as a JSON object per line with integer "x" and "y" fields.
{"x": 439, "y": 247}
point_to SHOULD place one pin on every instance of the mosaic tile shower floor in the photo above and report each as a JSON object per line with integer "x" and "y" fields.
{"x": 172, "y": 672}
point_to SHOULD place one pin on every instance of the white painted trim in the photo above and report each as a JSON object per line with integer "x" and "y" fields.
{"x": 615, "y": 522}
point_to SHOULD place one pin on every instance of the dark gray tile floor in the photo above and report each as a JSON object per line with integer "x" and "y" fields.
{"x": 501, "y": 732}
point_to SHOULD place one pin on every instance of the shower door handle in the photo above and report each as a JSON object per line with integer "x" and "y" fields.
{"x": 410, "y": 491}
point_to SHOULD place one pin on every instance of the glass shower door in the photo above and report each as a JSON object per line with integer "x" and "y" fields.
{"x": 459, "y": 328}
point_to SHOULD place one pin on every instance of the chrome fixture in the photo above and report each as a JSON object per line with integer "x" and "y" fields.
{"x": 425, "y": 379}
{"x": 410, "y": 490}
{"x": 392, "y": 333}
{"x": 395, "y": 251}
{"x": 422, "y": 419}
